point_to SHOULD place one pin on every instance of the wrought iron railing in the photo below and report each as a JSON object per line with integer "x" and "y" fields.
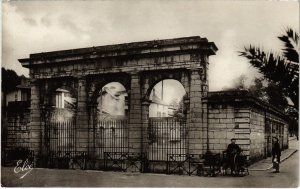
{"x": 110, "y": 136}
{"x": 166, "y": 136}
{"x": 60, "y": 143}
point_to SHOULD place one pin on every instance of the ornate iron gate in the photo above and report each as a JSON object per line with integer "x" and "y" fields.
{"x": 111, "y": 144}
{"x": 184, "y": 164}
{"x": 167, "y": 137}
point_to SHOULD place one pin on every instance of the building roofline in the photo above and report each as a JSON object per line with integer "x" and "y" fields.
{"x": 130, "y": 48}
{"x": 241, "y": 96}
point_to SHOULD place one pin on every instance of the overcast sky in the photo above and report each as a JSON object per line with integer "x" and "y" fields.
{"x": 36, "y": 26}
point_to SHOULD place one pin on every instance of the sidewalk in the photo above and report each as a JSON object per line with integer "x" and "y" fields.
{"x": 266, "y": 164}
{"x": 40, "y": 177}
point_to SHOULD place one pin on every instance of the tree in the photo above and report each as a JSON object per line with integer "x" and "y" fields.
{"x": 10, "y": 80}
{"x": 282, "y": 70}
{"x": 181, "y": 108}
{"x": 239, "y": 83}
{"x": 262, "y": 89}
{"x": 258, "y": 89}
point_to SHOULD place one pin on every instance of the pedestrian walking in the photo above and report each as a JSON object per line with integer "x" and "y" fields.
{"x": 276, "y": 153}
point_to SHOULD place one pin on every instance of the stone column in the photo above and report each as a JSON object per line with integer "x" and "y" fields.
{"x": 35, "y": 125}
{"x": 135, "y": 116}
{"x": 197, "y": 122}
{"x": 82, "y": 135}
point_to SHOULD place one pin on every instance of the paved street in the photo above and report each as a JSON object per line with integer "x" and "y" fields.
{"x": 288, "y": 177}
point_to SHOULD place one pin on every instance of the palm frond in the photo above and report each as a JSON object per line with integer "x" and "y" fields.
{"x": 291, "y": 41}
{"x": 274, "y": 68}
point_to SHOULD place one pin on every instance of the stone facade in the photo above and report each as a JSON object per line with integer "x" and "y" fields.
{"x": 138, "y": 67}
{"x": 212, "y": 119}
{"x": 235, "y": 114}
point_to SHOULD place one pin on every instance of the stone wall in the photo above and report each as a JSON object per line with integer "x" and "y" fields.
{"x": 257, "y": 135}
{"x": 17, "y": 130}
{"x": 261, "y": 135}
{"x": 226, "y": 122}
{"x": 15, "y": 126}
{"x": 237, "y": 115}
{"x": 221, "y": 126}
{"x": 242, "y": 127}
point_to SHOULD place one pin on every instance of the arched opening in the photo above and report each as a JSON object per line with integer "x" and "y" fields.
{"x": 111, "y": 124}
{"x": 167, "y": 131}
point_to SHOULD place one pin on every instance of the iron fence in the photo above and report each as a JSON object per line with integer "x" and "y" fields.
{"x": 110, "y": 142}
{"x": 188, "y": 164}
{"x": 166, "y": 152}
{"x": 67, "y": 160}
{"x": 60, "y": 143}
{"x": 166, "y": 136}
{"x": 124, "y": 161}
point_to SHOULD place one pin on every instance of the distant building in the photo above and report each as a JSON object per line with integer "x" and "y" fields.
{"x": 20, "y": 93}
{"x": 63, "y": 105}
{"x": 159, "y": 108}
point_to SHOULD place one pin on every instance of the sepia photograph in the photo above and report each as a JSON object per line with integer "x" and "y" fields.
{"x": 150, "y": 93}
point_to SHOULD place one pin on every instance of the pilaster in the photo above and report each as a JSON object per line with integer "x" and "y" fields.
{"x": 82, "y": 138}
{"x": 197, "y": 119}
{"x": 135, "y": 115}
{"x": 35, "y": 125}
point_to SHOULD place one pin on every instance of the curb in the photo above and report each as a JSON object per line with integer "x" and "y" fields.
{"x": 284, "y": 159}
{"x": 271, "y": 166}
